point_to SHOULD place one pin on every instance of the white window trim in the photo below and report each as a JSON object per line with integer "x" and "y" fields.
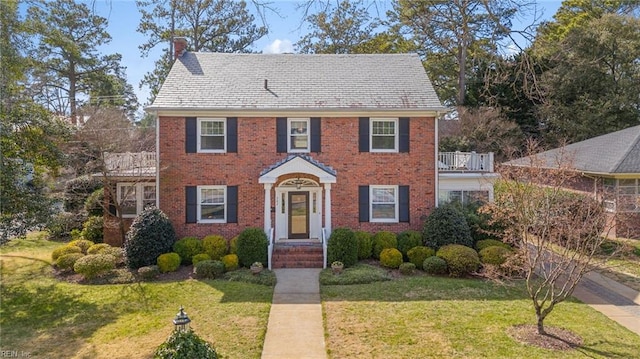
{"x": 139, "y": 186}
{"x": 224, "y": 135}
{"x": 289, "y": 135}
{"x": 396, "y": 219}
{"x": 396, "y": 135}
{"x": 199, "y": 201}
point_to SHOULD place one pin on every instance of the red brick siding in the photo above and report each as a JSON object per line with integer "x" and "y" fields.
{"x": 257, "y": 151}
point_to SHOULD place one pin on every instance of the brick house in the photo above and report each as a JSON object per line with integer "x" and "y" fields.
{"x": 609, "y": 168}
{"x": 295, "y": 144}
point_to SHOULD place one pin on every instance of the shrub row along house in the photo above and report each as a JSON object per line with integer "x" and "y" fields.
{"x": 294, "y": 144}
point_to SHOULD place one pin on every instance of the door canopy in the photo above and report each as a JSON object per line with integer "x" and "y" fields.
{"x": 298, "y": 164}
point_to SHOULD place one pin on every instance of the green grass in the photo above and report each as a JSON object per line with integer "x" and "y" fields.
{"x": 49, "y": 318}
{"x": 434, "y": 317}
{"x": 358, "y": 274}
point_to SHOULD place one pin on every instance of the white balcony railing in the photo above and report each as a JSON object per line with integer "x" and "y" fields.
{"x": 465, "y": 162}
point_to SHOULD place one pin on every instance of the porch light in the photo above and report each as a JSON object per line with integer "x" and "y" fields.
{"x": 298, "y": 182}
{"x": 181, "y": 321}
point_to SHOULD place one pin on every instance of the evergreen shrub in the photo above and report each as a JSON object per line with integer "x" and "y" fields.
{"x": 169, "y": 262}
{"x": 365, "y": 244}
{"x": 94, "y": 265}
{"x": 200, "y": 257}
{"x": 208, "y": 269}
{"x": 252, "y": 246}
{"x": 185, "y": 345}
{"x": 482, "y": 244}
{"x": 391, "y": 258}
{"x": 188, "y": 247}
{"x": 93, "y": 229}
{"x": 342, "y": 247}
{"x": 382, "y": 240}
{"x": 230, "y": 262}
{"x": 151, "y": 234}
{"x": 407, "y": 240}
{"x": 62, "y": 250}
{"x": 434, "y": 265}
{"x": 446, "y": 225}
{"x": 418, "y": 254}
{"x": 495, "y": 255}
{"x": 407, "y": 268}
{"x": 215, "y": 246}
{"x": 461, "y": 260}
{"x": 66, "y": 261}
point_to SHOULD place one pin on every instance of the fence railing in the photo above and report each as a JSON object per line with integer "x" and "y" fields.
{"x": 465, "y": 162}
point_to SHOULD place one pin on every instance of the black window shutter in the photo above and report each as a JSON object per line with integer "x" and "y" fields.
{"x": 232, "y": 204}
{"x": 316, "y": 134}
{"x": 363, "y": 132}
{"x": 403, "y": 140}
{"x": 403, "y": 202}
{"x": 113, "y": 197}
{"x": 281, "y": 134}
{"x": 191, "y": 196}
{"x": 232, "y": 134}
{"x": 191, "y": 135}
{"x": 363, "y": 202}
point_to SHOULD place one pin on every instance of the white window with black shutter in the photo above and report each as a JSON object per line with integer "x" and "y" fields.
{"x": 384, "y": 134}
{"x": 211, "y": 135}
{"x": 211, "y": 204}
{"x": 298, "y": 135}
{"x": 384, "y": 203}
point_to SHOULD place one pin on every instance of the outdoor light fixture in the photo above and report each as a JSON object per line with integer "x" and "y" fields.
{"x": 298, "y": 182}
{"x": 181, "y": 321}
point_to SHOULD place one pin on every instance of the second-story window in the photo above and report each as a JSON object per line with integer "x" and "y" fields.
{"x": 298, "y": 129}
{"x": 211, "y": 135}
{"x": 384, "y": 135}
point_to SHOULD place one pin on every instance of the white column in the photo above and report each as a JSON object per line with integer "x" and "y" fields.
{"x": 327, "y": 207}
{"x": 267, "y": 207}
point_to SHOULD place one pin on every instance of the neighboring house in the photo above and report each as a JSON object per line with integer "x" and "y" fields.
{"x": 296, "y": 144}
{"x": 130, "y": 178}
{"x": 609, "y": 166}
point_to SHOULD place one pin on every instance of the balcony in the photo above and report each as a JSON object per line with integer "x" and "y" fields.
{"x": 128, "y": 164}
{"x": 463, "y": 162}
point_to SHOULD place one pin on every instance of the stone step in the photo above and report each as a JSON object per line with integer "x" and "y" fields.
{"x": 297, "y": 256}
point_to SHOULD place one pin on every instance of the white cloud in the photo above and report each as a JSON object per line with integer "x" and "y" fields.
{"x": 278, "y": 47}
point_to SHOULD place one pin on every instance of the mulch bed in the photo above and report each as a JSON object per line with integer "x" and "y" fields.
{"x": 554, "y": 339}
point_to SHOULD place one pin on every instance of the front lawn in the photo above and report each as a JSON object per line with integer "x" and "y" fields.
{"x": 434, "y": 317}
{"x": 50, "y": 318}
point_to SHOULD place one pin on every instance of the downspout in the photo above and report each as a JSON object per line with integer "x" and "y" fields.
{"x": 157, "y": 159}
{"x": 437, "y": 183}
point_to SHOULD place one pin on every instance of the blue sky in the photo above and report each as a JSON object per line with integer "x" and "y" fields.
{"x": 284, "y": 30}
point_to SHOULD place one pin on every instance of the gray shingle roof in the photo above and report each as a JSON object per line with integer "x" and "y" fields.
{"x": 616, "y": 152}
{"x": 201, "y": 81}
{"x": 307, "y": 158}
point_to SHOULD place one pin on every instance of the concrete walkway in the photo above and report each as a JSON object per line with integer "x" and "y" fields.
{"x": 615, "y": 300}
{"x": 295, "y": 329}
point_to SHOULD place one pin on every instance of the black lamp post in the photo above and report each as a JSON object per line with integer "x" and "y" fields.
{"x": 181, "y": 321}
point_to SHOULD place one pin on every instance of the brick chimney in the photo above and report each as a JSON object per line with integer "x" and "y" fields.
{"x": 179, "y": 47}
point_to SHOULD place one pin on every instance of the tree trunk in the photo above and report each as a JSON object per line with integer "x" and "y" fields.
{"x": 541, "y": 325}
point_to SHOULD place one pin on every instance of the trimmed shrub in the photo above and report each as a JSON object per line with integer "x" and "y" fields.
{"x": 169, "y": 262}
{"x": 230, "y": 262}
{"x": 98, "y": 248}
{"x": 407, "y": 240}
{"x": 208, "y": 269}
{"x": 77, "y": 190}
{"x": 391, "y": 258}
{"x": 93, "y": 203}
{"x": 407, "y": 268}
{"x": 252, "y": 246}
{"x": 382, "y": 240}
{"x": 149, "y": 272}
{"x": 83, "y": 244}
{"x": 117, "y": 252}
{"x": 200, "y": 257}
{"x": 342, "y": 247}
{"x": 92, "y": 229}
{"x": 446, "y": 225}
{"x": 185, "y": 345}
{"x": 94, "y": 265}
{"x": 66, "y": 261}
{"x": 151, "y": 234}
{"x": 233, "y": 245}
{"x": 188, "y": 247}
{"x": 365, "y": 244}
{"x": 66, "y": 249}
{"x": 461, "y": 260}
{"x": 215, "y": 246}
{"x": 61, "y": 224}
{"x": 485, "y": 243}
{"x": 495, "y": 255}
{"x": 434, "y": 265}
{"x": 418, "y": 254}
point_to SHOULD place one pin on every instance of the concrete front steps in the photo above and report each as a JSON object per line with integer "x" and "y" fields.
{"x": 297, "y": 255}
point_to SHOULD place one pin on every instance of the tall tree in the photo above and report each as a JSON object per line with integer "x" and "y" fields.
{"x": 30, "y": 136}
{"x": 593, "y": 85}
{"x": 208, "y": 25}
{"x": 67, "y": 56}
{"x": 339, "y": 29}
{"x": 454, "y": 35}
